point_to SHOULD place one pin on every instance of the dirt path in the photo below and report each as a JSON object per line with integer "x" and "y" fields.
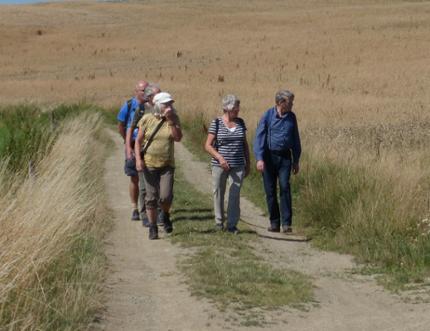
{"x": 145, "y": 291}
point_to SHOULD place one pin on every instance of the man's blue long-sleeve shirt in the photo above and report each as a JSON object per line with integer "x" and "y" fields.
{"x": 276, "y": 133}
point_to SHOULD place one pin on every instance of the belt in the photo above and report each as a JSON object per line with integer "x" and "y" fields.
{"x": 286, "y": 154}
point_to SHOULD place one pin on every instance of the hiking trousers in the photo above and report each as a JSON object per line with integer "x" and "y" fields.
{"x": 219, "y": 183}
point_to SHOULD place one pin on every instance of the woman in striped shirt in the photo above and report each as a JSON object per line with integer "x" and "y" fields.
{"x": 227, "y": 144}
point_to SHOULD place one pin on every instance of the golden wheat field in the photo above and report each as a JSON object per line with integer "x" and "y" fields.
{"x": 360, "y": 69}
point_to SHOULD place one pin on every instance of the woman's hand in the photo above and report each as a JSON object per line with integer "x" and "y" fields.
{"x": 223, "y": 163}
{"x": 170, "y": 116}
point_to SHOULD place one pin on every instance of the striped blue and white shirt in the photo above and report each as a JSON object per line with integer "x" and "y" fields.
{"x": 229, "y": 142}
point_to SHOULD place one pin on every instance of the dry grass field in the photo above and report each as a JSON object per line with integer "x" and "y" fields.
{"x": 359, "y": 68}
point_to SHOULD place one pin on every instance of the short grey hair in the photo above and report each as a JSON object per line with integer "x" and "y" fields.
{"x": 151, "y": 89}
{"x": 229, "y": 102}
{"x": 282, "y": 95}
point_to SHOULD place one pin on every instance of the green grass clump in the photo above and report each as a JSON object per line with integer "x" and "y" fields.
{"x": 225, "y": 268}
{"x": 351, "y": 210}
{"x": 26, "y": 131}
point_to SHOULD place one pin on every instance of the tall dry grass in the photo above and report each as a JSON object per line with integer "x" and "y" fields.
{"x": 50, "y": 259}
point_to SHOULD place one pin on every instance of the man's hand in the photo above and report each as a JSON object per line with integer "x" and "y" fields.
{"x": 129, "y": 154}
{"x": 296, "y": 168}
{"x": 260, "y": 166}
{"x": 140, "y": 165}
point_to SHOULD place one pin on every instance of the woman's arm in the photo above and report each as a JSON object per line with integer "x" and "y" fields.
{"x": 176, "y": 130}
{"x": 173, "y": 123}
{"x": 213, "y": 152}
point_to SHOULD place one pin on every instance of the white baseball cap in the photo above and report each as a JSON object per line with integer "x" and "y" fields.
{"x": 162, "y": 97}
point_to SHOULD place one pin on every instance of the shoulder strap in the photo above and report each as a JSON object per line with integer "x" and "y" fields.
{"x": 129, "y": 104}
{"x": 138, "y": 114}
{"x": 215, "y": 142}
{"x": 241, "y": 122}
{"x": 151, "y": 137}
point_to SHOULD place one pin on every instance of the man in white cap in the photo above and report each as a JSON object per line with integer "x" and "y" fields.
{"x": 157, "y": 133}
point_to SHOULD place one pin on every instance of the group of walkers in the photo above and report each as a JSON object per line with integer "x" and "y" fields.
{"x": 149, "y": 125}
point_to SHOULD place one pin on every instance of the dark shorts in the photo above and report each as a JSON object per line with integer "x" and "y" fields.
{"x": 130, "y": 167}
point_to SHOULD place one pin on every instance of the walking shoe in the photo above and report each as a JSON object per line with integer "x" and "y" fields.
{"x": 219, "y": 227}
{"x": 153, "y": 232}
{"x": 160, "y": 218}
{"x": 287, "y": 229}
{"x": 233, "y": 230}
{"x": 135, "y": 215}
{"x": 168, "y": 227}
{"x": 145, "y": 220}
{"x": 273, "y": 229}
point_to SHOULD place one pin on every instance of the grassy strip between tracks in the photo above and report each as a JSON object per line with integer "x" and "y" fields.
{"x": 225, "y": 268}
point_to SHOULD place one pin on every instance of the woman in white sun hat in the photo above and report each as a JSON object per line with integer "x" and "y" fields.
{"x": 154, "y": 149}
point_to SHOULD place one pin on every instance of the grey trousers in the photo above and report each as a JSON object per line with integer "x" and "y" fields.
{"x": 219, "y": 183}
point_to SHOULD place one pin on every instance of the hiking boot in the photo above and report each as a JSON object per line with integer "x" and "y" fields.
{"x": 273, "y": 229}
{"x": 287, "y": 229}
{"x": 153, "y": 232}
{"x": 233, "y": 230}
{"x": 167, "y": 223}
{"x": 135, "y": 215}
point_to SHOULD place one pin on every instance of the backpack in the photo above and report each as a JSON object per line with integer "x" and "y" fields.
{"x": 138, "y": 114}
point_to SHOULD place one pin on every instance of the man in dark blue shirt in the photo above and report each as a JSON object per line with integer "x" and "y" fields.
{"x": 277, "y": 150}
